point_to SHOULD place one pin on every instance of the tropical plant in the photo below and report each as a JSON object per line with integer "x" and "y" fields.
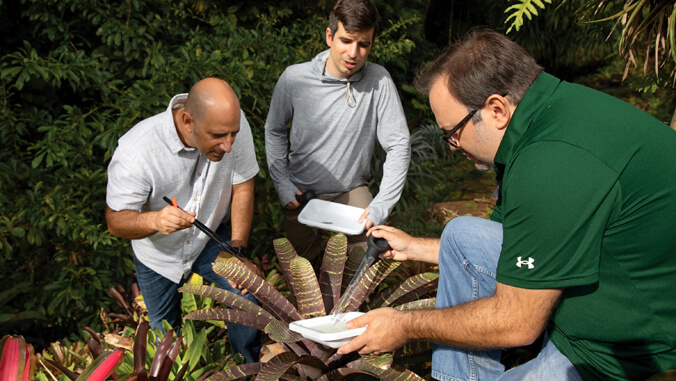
{"x": 17, "y": 359}
{"x": 647, "y": 33}
{"x": 313, "y": 296}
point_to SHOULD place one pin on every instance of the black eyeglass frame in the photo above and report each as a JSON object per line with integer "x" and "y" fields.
{"x": 447, "y": 136}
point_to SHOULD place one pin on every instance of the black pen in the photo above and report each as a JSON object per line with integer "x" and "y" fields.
{"x": 209, "y": 232}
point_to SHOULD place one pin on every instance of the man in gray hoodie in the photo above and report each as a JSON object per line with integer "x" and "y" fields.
{"x": 338, "y": 104}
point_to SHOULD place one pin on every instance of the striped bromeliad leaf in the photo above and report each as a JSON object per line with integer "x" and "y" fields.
{"x": 278, "y": 365}
{"x": 413, "y": 348}
{"x": 306, "y": 289}
{"x": 279, "y": 332}
{"x": 238, "y": 372}
{"x": 285, "y": 254}
{"x": 352, "y": 263}
{"x": 227, "y": 298}
{"x": 103, "y": 366}
{"x": 331, "y": 273}
{"x": 422, "y": 304}
{"x": 231, "y": 268}
{"x": 17, "y": 360}
{"x": 381, "y": 367}
{"x": 232, "y": 316}
{"x": 372, "y": 277}
{"x": 390, "y": 295}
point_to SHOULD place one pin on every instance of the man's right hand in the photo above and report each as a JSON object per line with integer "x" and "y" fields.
{"x": 171, "y": 219}
{"x": 294, "y": 204}
{"x": 399, "y": 242}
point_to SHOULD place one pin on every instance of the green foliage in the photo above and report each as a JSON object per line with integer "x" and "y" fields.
{"x": 527, "y": 8}
{"x": 75, "y": 76}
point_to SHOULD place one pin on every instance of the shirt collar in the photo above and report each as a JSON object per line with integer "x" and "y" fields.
{"x": 170, "y": 134}
{"x": 532, "y": 103}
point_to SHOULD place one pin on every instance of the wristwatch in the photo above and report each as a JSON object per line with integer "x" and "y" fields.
{"x": 241, "y": 252}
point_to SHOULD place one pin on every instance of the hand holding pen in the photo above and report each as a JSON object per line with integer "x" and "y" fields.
{"x": 170, "y": 220}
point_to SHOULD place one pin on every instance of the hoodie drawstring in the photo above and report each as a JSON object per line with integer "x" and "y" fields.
{"x": 349, "y": 98}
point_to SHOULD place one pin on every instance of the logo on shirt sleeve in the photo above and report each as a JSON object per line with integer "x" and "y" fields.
{"x": 529, "y": 262}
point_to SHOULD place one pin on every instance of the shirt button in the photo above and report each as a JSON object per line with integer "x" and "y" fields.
{"x": 195, "y": 199}
{"x": 184, "y": 262}
{"x": 199, "y": 173}
{"x": 187, "y": 242}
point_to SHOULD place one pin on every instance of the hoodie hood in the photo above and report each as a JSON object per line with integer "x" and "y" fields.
{"x": 319, "y": 66}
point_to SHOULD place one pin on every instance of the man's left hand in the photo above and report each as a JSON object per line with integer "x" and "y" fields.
{"x": 369, "y": 223}
{"x": 383, "y": 334}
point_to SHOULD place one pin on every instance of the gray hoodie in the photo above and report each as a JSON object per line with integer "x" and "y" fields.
{"x": 334, "y": 125}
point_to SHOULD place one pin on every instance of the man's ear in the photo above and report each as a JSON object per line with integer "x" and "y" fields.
{"x": 500, "y": 110}
{"x": 188, "y": 122}
{"x": 329, "y": 37}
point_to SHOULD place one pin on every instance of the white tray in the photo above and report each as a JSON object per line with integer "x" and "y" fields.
{"x": 321, "y": 331}
{"x": 327, "y": 215}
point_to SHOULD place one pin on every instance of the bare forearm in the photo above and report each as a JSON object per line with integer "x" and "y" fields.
{"x": 131, "y": 224}
{"x": 494, "y": 322}
{"x": 425, "y": 250}
{"x": 241, "y": 214}
{"x": 512, "y": 317}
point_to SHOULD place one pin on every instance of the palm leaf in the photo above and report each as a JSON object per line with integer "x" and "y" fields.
{"x": 331, "y": 273}
{"x": 526, "y": 8}
{"x": 231, "y": 268}
{"x": 227, "y": 298}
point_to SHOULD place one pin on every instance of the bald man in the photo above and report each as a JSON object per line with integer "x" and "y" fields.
{"x": 200, "y": 151}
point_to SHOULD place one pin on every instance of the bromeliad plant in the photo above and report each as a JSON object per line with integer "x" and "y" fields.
{"x": 302, "y": 359}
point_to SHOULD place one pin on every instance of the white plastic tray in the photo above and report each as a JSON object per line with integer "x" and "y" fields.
{"x": 327, "y": 215}
{"x": 322, "y": 331}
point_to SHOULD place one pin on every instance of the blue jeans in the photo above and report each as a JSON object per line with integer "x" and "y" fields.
{"x": 468, "y": 261}
{"x": 163, "y": 300}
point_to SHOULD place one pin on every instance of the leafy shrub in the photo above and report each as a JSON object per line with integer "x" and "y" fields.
{"x": 75, "y": 76}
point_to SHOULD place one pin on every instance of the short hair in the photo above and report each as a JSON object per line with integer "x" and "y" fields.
{"x": 355, "y": 15}
{"x": 195, "y": 105}
{"x": 480, "y": 64}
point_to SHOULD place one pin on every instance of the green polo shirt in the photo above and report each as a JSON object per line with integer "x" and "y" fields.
{"x": 588, "y": 204}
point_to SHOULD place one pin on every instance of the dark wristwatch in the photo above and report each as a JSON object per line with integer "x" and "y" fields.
{"x": 241, "y": 252}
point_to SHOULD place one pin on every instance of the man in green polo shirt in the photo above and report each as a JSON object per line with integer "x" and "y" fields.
{"x": 581, "y": 244}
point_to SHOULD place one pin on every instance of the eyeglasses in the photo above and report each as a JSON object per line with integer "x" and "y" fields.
{"x": 447, "y": 136}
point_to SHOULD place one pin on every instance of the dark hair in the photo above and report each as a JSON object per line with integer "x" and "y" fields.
{"x": 480, "y": 64}
{"x": 355, "y": 15}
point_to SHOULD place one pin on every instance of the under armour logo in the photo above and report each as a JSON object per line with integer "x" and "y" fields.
{"x": 529, "y": 262}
